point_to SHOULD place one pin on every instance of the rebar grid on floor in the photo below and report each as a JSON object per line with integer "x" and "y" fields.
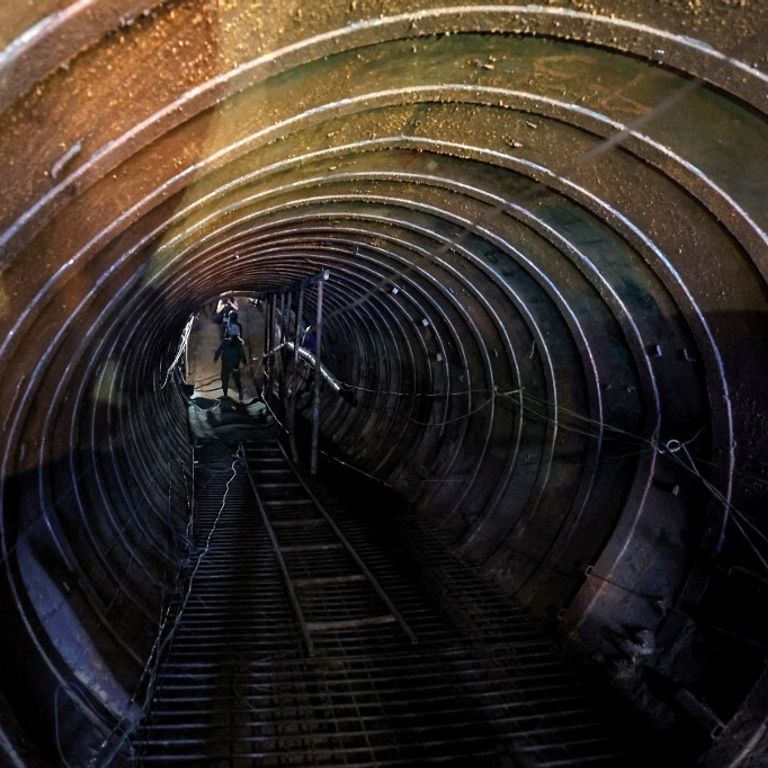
{"x": 483, "y": 687}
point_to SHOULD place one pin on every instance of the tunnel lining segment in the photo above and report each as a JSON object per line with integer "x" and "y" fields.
{"x": 607, "y": 299}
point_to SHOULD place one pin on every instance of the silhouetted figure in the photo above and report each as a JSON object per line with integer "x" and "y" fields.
{"x": 232, "y": 354}
{"x": 224, "y": 309}
{"x": 233, "y": 327}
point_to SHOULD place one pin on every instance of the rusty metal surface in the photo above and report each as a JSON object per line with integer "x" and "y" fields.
{"x": 546, "y": 227}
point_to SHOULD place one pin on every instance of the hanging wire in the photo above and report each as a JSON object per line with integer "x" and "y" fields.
{"x": 671, "y": 448}
{"x": 543, "y": 409}
{"x": 371, "y": 390}
{"x": 480, "y": 407}
{"x": 731, "y": 513}
{"x": 163, "y": 639}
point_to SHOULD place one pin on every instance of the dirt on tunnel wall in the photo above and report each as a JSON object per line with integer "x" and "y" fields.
{"x": 546, "y": 232}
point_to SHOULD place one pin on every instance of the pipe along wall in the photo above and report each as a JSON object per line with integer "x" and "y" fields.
{"x": 546, "y": 231}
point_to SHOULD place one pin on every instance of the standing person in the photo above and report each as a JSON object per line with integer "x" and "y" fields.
{"x": 224, "y": 309}
{"x": 233, "y": 326}
{"x": 232, "y": 354}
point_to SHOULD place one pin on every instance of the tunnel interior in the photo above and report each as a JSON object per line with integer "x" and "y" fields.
{"x": 544, "y": 228}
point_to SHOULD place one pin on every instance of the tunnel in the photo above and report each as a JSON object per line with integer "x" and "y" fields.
{"x": 543, "y": 228}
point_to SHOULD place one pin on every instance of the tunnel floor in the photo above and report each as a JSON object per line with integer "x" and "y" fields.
{"x": 482, "y": 686}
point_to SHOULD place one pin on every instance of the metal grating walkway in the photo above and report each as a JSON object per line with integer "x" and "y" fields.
{"x": 245, "y": 684}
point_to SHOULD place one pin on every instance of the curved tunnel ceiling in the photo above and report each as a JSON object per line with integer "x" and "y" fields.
{"x": 546, "y": 232}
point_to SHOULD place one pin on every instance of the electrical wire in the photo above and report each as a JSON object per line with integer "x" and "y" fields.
{"x": 464, "y": 416}
{"x": 163, "y": 639}
{"x": 732, "y": 513}
{"x": 603, "y": 431}
{"x": 460, "y": 393}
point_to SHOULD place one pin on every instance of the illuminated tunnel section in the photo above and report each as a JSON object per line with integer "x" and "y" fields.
{"x": 546, "y": 233}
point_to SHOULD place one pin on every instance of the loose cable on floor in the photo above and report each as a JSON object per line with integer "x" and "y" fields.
{"x": 163, "y": 640}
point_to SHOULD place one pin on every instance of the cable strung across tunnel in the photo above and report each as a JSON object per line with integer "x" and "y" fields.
{"x": 545, "y": 325}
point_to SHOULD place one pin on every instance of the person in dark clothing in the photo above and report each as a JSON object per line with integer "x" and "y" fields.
{"x": 233, "y": 327}
{"x": 232, "y": 354}
{"x": 224, "y": 309}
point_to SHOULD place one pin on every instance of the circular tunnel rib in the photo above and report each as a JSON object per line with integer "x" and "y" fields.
{"x": 545, "y": 229}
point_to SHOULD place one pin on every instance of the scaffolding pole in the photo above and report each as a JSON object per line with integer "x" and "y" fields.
{"x": 318, "y": 381}
{"x": 294, "y": 377}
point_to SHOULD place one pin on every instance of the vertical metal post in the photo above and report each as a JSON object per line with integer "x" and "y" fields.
{"x": 267, "y": 320}
{"x": 279, "y": 354}
{"x": 295, "y": 377}
{"x": 318, "y": 380}
{"x": 269, "y": 363}
{"x": 284, "y": 358}
{"x": 266, "y": 307}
